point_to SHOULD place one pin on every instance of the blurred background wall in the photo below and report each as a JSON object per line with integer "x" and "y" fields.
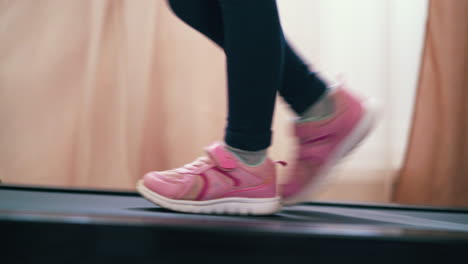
{"x": 95, "y": 93}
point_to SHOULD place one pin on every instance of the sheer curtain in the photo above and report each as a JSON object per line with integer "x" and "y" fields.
{"x": 376, "y": 46}
{"x": 95, "y": 93}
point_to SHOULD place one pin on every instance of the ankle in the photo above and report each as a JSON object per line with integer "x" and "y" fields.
{"x": 249, "y": 158}
{"x": 320, "y": 110}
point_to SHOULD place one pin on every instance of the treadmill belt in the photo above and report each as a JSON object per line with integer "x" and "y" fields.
{"x": 136, "y": 207}
{"x": 83, "y": 220}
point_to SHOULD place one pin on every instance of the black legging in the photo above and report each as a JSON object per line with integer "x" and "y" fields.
{"x": 260, "y": 62}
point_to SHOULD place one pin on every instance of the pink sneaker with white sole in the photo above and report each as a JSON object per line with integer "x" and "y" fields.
{"x": 217, "y": 183}
{"x": 321, "y": 144}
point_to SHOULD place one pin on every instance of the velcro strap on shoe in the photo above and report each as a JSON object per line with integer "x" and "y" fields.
{"x": 221, "y": 156}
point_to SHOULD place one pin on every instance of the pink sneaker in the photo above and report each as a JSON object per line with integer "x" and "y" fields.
{"x": 321, "y": 144}
{"x": 218, "y": 183}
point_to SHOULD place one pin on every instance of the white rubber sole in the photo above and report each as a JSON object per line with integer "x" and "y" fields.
{"x": 356, "y": 136}
{"x": 231, "y": 206}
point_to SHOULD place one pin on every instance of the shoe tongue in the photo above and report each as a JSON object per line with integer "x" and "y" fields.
{"x": 221, "y": 156}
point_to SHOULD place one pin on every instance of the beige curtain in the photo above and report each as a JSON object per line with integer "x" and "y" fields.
{"x": 78, "y": 104}
{"x": 436, "y": 167}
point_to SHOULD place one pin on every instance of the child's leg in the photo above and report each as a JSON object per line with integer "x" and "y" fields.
{"x": 254, "y": 49}
{"x": 260, "y": 62}
{"x": 304, "y": 91}
{"x": 300, "y": 87}
{"x": 219, "y": 182}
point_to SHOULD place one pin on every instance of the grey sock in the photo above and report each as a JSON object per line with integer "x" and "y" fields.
{"x": 322, "y": 109}
{"x": 251, "y": 158}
